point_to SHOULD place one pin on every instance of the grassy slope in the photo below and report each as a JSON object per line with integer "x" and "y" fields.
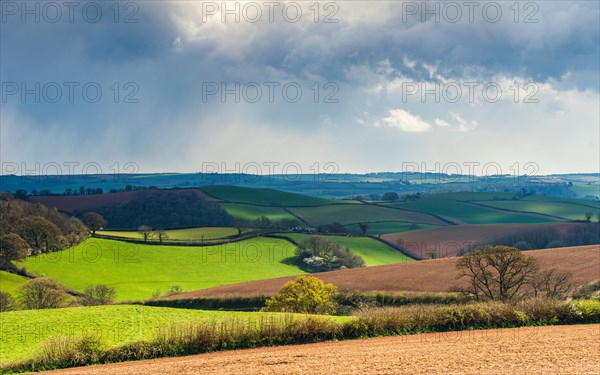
{"x": 136, "y": 271}
{"x": 9, "y": 282}
{"x": 117, "y": 324}
{"x": 181, "y": 234}
{"x": 349, "y": 214}
{"x": 566, "y": 210}
{"x": 266, "y": 197}
{"x": 373, "y": 252}
{"x": 249, "y": 212}
{"x": 465, "y": 212}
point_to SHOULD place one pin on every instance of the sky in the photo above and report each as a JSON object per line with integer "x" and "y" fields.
{"x": 352, "y": 86}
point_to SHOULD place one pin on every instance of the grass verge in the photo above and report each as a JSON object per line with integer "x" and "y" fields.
{"x": 193, "y": 338}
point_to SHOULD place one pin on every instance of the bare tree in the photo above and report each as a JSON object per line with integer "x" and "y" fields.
{"x": 588, "y": 216}
{"x": 497, "y": 272}
{"x": 239, "y": 225}
{"x": 42, "y": 293}
{"x": 551, "y": 283}
{"x": 145, "y": 231}
{"x": 364, "y": 227}
{"x": 40, "y": 234}
{"x": 94, "y": 221}
{"x": 12, "y": 247}
{"x": 7, "y": 302}
{"x": 99, "y": 294}
{"x": 161, "y": 235}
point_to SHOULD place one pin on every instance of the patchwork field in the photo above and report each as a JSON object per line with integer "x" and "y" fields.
{"x": 373, "y": 252}
{"x": 447, "y": 241}
{"x": 9, "y": 282}
{"x": 352, "y": 214}
{"x": 137, "y": 271}
{"x": 23, "y": 331}
{"x": 435, "y": 275}
{"x": 465, "y": 212}
{"x": 207, "y": 233}
{"x": 531, "y": 350}
{"x": 564, "y": 210}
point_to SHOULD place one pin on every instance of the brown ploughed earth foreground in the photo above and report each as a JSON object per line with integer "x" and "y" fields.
{"x": 430, "y": 275}
{"x": 531, "y": 350}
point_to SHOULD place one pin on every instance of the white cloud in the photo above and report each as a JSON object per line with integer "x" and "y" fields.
{"x": 404, "y": 121}
{"x": 441, "y": 123}
{"x": 462, "y": 124}
{"x": 409, "y": 63}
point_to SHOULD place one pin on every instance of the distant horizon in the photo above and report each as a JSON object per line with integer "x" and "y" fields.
{"x": 303, "y": 174}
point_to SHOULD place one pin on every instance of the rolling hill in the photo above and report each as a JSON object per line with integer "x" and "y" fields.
{"x": 447, "y": 241}
{"x": 436, "y": 275}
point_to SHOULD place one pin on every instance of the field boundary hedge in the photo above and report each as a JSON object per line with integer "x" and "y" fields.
{"x": 202, "y": 337}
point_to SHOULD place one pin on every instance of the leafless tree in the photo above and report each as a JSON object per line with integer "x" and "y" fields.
{"x": 497, "y": 272}
{"x": 551, "y": 283}
{"x": 42, "y": 293}
{"x": 161, "y": 235}
{"x": 145, "y": 231}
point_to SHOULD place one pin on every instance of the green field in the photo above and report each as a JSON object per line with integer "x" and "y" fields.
{"x": 249, "y": 212}
{"x": 562, "y": 209}
{"x": 23, "y": 331}
{"x": 351, "y": 214}
{"x": 207, "y": 233}
{"x": 9, "y": 282}
{"x": 136, "y": 271}
{"x": 266, "y": 197}
{"x": 464, "y": 212}
{"x": 373, "y": 252}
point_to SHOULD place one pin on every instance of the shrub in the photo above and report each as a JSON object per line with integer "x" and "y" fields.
{"x": 350, "y": 301}
{"x": 7, "y": 302}
{"x": 69, "y": 351}
{"x": 546, "y": 311}
{"x": 42, "y": 293}
{"x": 98, "y": 295}
{"x": 307, "y": 295}
{"x": 590, "y": 290}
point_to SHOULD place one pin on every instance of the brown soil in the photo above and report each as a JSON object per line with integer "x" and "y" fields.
{"x": 447, "y": 241}
{"x": 82, "y": 202}
{"x": 431, "y": 275}
{"x": 533, "y": 350}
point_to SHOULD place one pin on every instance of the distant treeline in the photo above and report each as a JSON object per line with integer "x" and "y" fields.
{"x": 23, "y": 194}
{"x": 544, "y": 238}
{"x": 27, "y": 228}
{"x": 164, "y": 209}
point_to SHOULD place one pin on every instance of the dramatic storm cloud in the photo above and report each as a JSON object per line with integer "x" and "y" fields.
{"x": 364, "y": 84}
